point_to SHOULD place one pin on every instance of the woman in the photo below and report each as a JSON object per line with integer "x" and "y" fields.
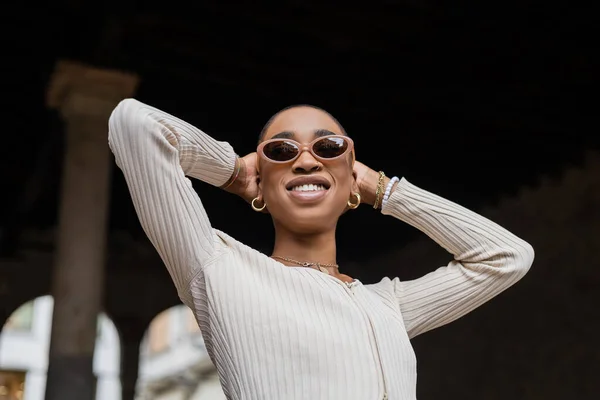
{"x": 292, "y": 326}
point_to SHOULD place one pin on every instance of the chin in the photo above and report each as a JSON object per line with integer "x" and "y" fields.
{"x": 309, "y": 220}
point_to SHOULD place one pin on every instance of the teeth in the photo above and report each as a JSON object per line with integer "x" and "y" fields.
{"x": 308, "y": 188}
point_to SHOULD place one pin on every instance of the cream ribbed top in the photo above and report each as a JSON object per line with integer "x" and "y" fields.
{"x": 286, "y": 333}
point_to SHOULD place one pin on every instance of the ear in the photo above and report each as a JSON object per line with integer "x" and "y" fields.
{"x": 355, "y": 188}
{"x": 259, "y": 192}
{"x": 259, "y": 186}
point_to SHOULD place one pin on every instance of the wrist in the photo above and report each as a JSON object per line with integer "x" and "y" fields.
{"x": 234, "y": 183}
{"x": 368, "y": 189}
{"x": 389, "y": 189}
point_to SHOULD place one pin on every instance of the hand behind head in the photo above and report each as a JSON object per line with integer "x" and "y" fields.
{"x": 246, "y": 183}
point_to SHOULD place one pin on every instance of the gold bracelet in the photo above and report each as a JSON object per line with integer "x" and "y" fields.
{"x": 379, "y": 191}
{"x": 238, "y": 167}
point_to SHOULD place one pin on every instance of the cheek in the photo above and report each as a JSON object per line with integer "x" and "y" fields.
{"x": 343, "y": 191}
{"x": 344, "y": 179}
{"x": 270, "y": 180}
{"x": 343, "y": 171}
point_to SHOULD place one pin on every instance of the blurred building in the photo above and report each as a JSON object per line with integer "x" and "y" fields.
{"x": 174, "y": 364}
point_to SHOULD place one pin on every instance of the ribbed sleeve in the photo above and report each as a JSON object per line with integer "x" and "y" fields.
{"x": 487, "y": 259}
{"x": 155, "y": 151}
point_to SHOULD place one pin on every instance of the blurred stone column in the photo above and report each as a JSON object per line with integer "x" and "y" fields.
{"x": 130, "y": 361}
{"x": 85, "y": 97}
{"x": 132, "y": 329}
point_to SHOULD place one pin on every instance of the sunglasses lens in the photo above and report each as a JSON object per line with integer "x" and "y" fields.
{"x": 281, "y": 150}
{"x": 330, "y": 147}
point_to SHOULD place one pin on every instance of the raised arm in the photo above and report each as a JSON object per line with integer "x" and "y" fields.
{"x": 155, "y": 151}
{"x": 487, "y": 259}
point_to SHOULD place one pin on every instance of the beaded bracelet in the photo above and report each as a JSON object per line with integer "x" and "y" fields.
{"x": 388, "y": 189}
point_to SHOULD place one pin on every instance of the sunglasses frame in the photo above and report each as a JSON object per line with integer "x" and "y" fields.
{"x": 308, "y": 147}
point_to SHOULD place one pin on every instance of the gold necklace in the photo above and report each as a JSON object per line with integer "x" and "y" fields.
{"x": 315, "y": 265}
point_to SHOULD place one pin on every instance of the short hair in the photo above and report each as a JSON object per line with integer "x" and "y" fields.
{"x": 270, "y": 121}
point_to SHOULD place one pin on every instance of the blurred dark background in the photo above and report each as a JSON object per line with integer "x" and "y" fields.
{"x": 486, "y": 104}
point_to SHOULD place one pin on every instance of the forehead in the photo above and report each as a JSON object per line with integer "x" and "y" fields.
{"x": 303, "y": 122}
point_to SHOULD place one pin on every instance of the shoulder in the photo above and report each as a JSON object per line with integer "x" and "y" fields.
{"x": 233, "y": 247}
{"x": 384, "y": 288}
{"x": 385, "y": 292}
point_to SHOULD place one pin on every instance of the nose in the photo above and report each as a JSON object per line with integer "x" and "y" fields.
{"x": 306, "y": 163}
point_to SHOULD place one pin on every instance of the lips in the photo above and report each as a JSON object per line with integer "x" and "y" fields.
{"x": 308, "y": 182}
{"x": 308, "y": 189}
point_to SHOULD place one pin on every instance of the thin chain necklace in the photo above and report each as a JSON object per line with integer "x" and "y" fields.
{"x": 315, "y": 265}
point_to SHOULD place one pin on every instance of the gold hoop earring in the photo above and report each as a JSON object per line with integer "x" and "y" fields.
{"x": 354, "y": 205}
{"x": 257, "y": 209}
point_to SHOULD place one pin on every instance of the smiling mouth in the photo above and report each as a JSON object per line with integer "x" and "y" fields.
{"x": 308, "y": 188}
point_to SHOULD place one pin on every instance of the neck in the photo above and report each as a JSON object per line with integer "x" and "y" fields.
{"x": 317, "y": 247}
